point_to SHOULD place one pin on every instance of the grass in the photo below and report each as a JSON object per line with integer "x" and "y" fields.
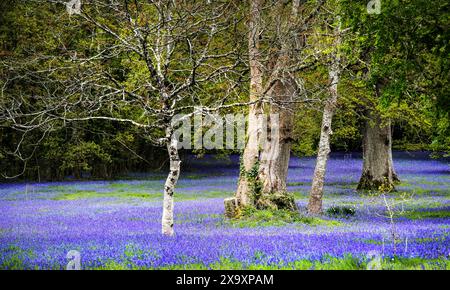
{"x": 277, "y": 218}
{"x": 127, "y": 186}
{"x": 83, "y": 194}
{"x": 122, "y": 193}
{"x": 13, "y": 257}
{"x": 195, "y": 176}
{"x": 202, "y": 195}
{"x": 337, "y": 184}
{"x": 415, "y": 215}
{"x": 372, "y": 241}
{"x": 347, "y": 262}
{"x": 419, "y": 190}
{"x": 298, "y": 183}
{"x": 428, "y": 240}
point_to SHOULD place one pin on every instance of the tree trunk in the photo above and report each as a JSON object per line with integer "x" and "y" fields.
{"x": 316, "y": 194}
{"x": 265, "y": 162}
{"x": 169, "y": 186}
{"x": 378, "y": 168}
{"x": 274, "y": 161}
{"x": 391, "y": 161}
{"x": 275, "y": 156}
{"x": 276, "y": 152}
{"x": 251, "y": 151}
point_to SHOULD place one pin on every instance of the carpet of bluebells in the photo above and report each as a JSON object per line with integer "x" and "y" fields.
{"x": 116, "y": 224}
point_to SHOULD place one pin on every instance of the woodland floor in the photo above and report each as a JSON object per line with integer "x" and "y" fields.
{"x": 116, "y": 224}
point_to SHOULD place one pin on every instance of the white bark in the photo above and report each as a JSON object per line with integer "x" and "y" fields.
{"x": 316, "y": 194}
{"x": 169, "y": 187}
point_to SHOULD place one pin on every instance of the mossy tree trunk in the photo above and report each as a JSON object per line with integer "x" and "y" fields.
{"x": 250, "y": 155}
{"x": 378, "y": 168}
{"x": 275, "y": 155}
{"x": 266, "y": 157}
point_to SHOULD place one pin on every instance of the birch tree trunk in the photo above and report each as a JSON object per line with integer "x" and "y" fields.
{"x": 316, "y": 193}
{"x": 378, "y": 168}
{"x": 251, "y": 152}
{"x": 169, "y": 186}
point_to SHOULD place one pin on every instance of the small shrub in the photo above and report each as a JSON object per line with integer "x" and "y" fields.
{"x": 252, "y": 217}
{"x": 341, "y": 211}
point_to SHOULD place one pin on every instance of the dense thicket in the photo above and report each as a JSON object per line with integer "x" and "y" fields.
{"x": 30, "y": 35}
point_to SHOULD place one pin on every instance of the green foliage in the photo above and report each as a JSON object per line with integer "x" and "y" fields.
{"x": 404, "y": 51}
{"x": 251, "y": 217}
{"x": 441, "y": 138}
{"x": 252, "y": 177}
{"x": 306, "y": 132}
{"x": 347, "y": 262}
{"x": 83, "y": 156}
{"x": 13, "y": 257}
{"x": 414, "y": 215}
{"x": 84, "y": 194}
{"x": 341, "y": 211}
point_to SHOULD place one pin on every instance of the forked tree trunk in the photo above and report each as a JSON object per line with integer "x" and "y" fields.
{"x": 269, "y": 185}
{"x": 316, "y": 194}
{"x": 169, "y": 187}
{"x": 378, "y": 168}
{"x": 275, "y": 155}
{"x": 268, "y": 188}
{"x": 274, "y": 160}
